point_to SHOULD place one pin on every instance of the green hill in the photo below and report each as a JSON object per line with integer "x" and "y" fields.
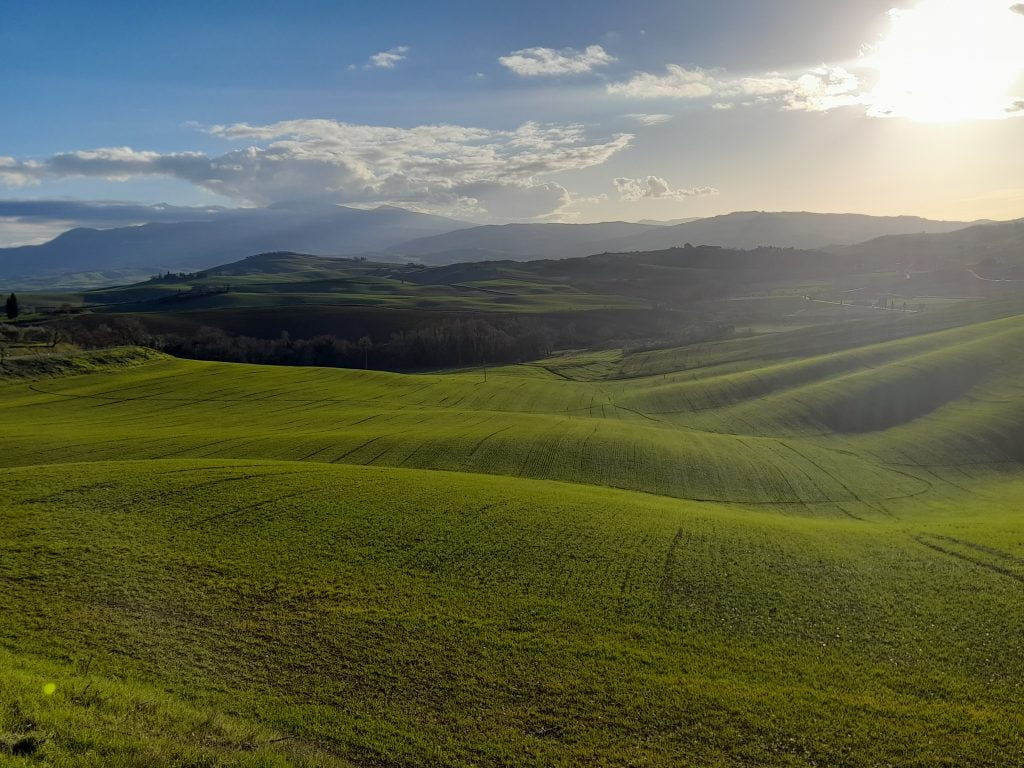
{"x": 795, "y": 550}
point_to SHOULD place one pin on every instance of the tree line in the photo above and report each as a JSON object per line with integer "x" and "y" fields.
{"x": 444, "y": 343}
{"x": 449, "y": 343}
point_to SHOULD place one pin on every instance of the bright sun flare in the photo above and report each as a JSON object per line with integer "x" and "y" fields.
{"x": 950, "y": 60}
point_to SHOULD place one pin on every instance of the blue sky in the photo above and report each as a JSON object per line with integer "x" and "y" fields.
{"x": 558, "y": 110}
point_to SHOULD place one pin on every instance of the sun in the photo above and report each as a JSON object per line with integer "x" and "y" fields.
{"x": 949, "y": 61}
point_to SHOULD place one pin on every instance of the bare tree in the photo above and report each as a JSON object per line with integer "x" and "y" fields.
{"x": 365, "y": 344}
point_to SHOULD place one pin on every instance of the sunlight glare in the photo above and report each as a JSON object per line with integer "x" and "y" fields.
{"x": 949, "y": 60}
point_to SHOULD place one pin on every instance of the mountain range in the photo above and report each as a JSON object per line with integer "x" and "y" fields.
{"x": 744, "y": 229}
{"x": 396, "y": 234}
{"x": 230, "y": 234}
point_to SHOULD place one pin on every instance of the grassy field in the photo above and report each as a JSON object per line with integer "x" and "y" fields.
{"x": 797, "y": 550}
{"x": 270, "y": 280}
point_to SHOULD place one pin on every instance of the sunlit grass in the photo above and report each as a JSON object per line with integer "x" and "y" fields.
{"x": 762, "y": 556}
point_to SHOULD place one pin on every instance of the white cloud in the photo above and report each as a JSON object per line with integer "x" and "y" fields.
{"x": 512, "y": 201}
{"x": 17, "y": 174}
{"x": 388, "y": 59}
{"x": 648, "y": 119}
{"x": 655, "y": 188}
{"x": 677, "y": 83}
{"x": 433, "y": 167}
{"x": 534, "y": 62}
{"x": 819, "y": 90}
{"x": 940, "y": 60}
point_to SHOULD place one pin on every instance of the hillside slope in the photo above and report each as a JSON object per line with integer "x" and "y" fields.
{"x": 803, "y": 552}
{"x": 992, "y": 245}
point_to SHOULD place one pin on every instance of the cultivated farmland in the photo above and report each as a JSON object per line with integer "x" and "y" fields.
{"x": 804, "y": 550}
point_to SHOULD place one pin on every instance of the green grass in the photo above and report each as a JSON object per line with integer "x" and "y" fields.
{"x": 800, "y": 550}
{"x": 63, "y": 714}
{"x": 407, "y": 617}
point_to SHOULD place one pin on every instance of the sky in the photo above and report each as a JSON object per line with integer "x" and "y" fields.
{"x": 514, "y": 111}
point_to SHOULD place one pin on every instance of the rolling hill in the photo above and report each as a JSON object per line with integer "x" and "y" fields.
{"x": 997, "y": 246}
{"x": 796, "y": 551}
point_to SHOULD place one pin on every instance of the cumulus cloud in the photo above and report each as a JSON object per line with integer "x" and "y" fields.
{"x": 16, "y": 174}
{"x": 655, "y": 188}
{"x": 939, "y": 60}
{"x": 512, "y": 201}
{"x": 648, "y": 119}
{"x": 536, "y": 62}
{"x": 388, "y": 59}
{"x": 677, "y": 83}
{"x": 432, "y": 167}
{"x": 819, "y": 90}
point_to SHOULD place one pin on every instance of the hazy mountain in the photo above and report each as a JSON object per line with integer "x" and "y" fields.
{"x": 668, "y": 222}
{"x": 733, "y": 230}
{"x": 519, "y": 241}
{"x": 751, "y": 229}
{"x": 996, "y": 243}
{"x": 228, "y": 235}
{"x": 224, "y": 235}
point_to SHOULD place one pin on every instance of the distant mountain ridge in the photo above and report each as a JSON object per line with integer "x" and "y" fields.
{"x": 754, "y": 229}
{"x": 223, "y": 236}
{"x": 519, "y": 242}
{"x": 231, "y": 234}
{"x": 669, "y": 222}
{"x": 744, "y": 230}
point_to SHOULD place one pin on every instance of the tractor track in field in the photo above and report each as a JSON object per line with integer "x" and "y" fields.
{"x": 998, "y": 553}
{"x": 362, "y": 403}
{"x": 826, "y": 473}
{"x": 317, "y": 452}
{"x": 214, "y": 468}
{"x": 199, "y": 447}
{"x": 479, "y": 443}
{"x": 251, "y": 507}
{"x": 929, "y": 541}
{"x": 665, "y": 589}
{"x": 50, "y": 498}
